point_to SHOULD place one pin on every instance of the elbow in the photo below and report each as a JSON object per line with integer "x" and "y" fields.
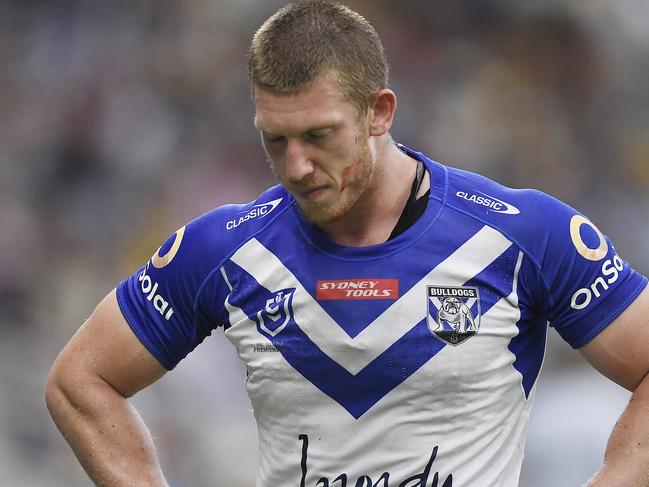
{"x": 71, "y": 390}
{"x": 55, "y": 397}
{"x": 62, "y": 389}
{"x": 641, "y": 390}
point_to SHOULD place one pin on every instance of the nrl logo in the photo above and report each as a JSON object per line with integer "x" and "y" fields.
{"x": 449, "y": 315}
{"x": 277, "y": 312}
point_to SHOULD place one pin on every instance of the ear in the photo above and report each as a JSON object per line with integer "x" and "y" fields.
{"x": 383, "y": 104}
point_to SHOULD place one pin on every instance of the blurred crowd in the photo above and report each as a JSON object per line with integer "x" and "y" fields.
{"x": 119, "y": 121}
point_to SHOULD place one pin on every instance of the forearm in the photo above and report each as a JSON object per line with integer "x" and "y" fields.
{"x": 626, "y": 461}
{"x": 106, "y": 434}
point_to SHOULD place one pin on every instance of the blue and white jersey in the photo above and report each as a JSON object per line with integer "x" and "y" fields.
{"x": 409, "y": 363}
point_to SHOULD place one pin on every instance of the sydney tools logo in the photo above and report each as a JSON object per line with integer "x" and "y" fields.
{"x": 357, "y": 289}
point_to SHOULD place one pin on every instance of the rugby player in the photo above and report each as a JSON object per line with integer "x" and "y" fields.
{"x": 405, "y": 303}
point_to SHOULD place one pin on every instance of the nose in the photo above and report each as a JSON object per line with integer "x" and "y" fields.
{"x": 298, "y": 164}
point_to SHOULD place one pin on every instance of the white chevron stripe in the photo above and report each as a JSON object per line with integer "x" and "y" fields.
{"x": 354, "y": 354}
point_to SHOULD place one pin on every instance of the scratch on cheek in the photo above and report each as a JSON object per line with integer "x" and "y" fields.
{"x": 346, "y": 173}
{"x": 344, "y": 176}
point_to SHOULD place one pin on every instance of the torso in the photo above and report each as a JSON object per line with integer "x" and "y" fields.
{"x": 409, "y": 363}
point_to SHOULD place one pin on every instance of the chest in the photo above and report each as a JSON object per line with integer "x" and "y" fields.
{"x": 357, "y": 332}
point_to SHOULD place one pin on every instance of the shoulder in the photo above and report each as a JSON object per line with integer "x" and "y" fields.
{"x": 208, "y": 239}
{"x": 177, "y": 297}
{"x": 231, "y": 224}
{"x": 573, "y": 274}
{"x": 532, "y": 219}
{"x": 245, "y": 219}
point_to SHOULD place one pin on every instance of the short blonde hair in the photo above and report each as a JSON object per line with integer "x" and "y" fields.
{"x": 307, "y": 39}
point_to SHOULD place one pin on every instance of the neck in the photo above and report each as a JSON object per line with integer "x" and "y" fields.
{"x": 372, "y": 219}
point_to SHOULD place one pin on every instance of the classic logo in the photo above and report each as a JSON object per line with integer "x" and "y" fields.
{"x": 257, "y": 211}
{"x": 277, "y": 313}
{"x": 449, "y": 314}
{"x": 357, "y": 289}
{"x": 494, "y": 204}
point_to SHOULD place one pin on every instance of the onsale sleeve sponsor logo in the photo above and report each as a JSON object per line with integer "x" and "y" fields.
{"x": 610, "y": 270}
{"x": 584, "y": 250}
{"x": 357, "y": 289}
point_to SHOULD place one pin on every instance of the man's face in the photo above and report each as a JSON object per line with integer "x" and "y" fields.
{"x": 318, "y": 148}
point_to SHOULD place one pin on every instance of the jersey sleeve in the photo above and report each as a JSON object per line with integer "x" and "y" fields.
{"x": 176, "y": 299}
{"x": 587, "y": 284}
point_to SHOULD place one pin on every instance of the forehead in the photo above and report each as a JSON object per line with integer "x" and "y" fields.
{"x": 320, "y": 103}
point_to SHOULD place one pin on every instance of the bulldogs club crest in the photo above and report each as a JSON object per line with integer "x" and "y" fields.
{"x": 450, "y": 317}
{"x": 277, "y": 312}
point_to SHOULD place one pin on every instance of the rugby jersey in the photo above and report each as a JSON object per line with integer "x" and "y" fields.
{"x": 409, "y": 363}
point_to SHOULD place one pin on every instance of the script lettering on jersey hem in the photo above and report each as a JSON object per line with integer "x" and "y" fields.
{"x": 419, "y": 479}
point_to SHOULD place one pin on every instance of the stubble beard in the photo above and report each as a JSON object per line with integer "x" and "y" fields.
{"x": 354, "y": 184}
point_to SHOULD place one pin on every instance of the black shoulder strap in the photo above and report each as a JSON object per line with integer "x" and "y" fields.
{"x": 414, "y": 207}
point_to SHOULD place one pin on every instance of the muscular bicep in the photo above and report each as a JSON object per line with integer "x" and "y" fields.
{"x": 621, "y": 350}
{"x": 106, "y": 349}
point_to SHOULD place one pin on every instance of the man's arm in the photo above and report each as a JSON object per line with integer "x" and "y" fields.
{"x": 103, "y": 364}
{"x": 621, "y": 353}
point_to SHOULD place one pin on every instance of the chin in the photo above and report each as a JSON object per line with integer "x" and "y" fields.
{"x": 323, "y": 216}
{"x": 333, "y": 208}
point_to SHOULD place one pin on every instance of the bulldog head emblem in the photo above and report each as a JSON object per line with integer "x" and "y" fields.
{"x": 453, "y": 312}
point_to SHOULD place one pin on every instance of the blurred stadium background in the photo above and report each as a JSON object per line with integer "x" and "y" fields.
{"x": 122, "y": 120}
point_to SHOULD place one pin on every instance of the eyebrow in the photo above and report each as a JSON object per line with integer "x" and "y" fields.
{"x": 315, "y": 128}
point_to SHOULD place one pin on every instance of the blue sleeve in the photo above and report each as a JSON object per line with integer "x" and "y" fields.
{"x": 176, "y": 299}
{"x": 587, "y": 284}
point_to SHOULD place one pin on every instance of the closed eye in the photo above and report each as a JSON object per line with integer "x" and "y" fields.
{"x": 318, "y": 135}
{"x": 271, "y": 139}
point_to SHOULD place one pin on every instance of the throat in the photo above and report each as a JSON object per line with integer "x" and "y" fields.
{"x": 391, "y": 202}
{"x": 363, "y": 226}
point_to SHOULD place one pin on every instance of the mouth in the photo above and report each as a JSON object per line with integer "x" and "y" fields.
{"x": 310, "y": 193}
